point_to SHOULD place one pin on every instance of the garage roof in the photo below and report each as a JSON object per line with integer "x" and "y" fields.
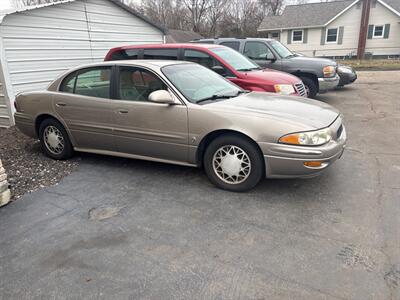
{"x": 116, "y": 2}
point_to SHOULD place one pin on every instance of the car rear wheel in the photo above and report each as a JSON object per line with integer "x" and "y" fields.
{"x": 54, "y": 140}
{"x": 233, "y": 163}
{"x": 311, "y": 87}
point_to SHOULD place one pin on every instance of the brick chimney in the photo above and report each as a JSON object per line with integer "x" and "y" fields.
{"x": 362, "y": 39}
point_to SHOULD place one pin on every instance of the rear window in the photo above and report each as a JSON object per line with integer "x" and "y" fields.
{"x": 169, "y": 54}
{"x": 233, "y": 45}
{"x": 125, "y": 54}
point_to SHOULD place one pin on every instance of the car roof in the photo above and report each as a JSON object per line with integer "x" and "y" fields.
{"x": 159, "y": 46}
{"x": 232, "y": 39}
{"x": 139, "y": 62}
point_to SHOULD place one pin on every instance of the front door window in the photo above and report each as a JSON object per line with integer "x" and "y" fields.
{"x": 136, "y": 84}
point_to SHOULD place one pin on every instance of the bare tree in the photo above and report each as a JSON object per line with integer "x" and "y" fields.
{"x": 216, "y": 12}
{"x": 23, "y": 3}
{"x": 197, "y": 9}
{"x": 273, "y": 7}
{"x": 242, "y": 18}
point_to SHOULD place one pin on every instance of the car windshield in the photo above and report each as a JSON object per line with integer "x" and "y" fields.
{"x": 199, "y": 84}
{"x": 281, "y": 49}
{"x": 238, "y": 61}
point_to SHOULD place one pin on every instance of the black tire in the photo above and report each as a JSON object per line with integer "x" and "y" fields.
{"x": 310, "y": 86}
{"x": 67, "y": 149}
{"x": 257, "y": 165}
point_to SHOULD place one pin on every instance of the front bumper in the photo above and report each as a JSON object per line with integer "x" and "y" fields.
{"x": 347, "y": 78}
{"x": 326, "y": 84}
{"x": 287, "y": 161}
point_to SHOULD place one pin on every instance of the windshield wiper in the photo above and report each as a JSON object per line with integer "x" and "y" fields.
{"x": 290, "y": 56}
{"x": 214, "y": 97}
{"x": 248, "y": 69}
{"x": 222, "y": 96}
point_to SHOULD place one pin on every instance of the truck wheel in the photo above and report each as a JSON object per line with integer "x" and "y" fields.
{"x": 311, "y": 87}
{"x": 54, "y": 140}
{"x": 233, "y": 163}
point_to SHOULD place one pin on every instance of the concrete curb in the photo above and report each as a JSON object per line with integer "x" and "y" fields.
{"x": 5, "y": 194}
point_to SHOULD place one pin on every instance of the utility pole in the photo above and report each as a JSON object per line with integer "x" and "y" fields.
{"x": 362, "y": 39}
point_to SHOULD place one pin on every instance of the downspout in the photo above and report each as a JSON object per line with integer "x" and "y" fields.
{"x": 362, "y": 39}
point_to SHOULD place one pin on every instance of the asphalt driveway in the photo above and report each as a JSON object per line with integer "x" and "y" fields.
{"x": 126, "y": 229}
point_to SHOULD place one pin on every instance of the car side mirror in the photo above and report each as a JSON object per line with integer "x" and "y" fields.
{"x": 219, "y": 70}
{"x": 270, "y": 58}
{"x": 161, "y": 96}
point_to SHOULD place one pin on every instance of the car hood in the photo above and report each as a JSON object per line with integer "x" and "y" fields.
{"x": 313, "y": 61}
{"x": 307, "y": 114}
{"x": 271, "y": 76}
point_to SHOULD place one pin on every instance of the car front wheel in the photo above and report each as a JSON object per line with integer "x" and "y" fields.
{"x": 233, "y": 163}
{"x": 54, "y": 140}
{"x": 311, "y": 87}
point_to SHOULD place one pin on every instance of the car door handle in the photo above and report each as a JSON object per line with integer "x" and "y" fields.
{"x": 123, "y": 111}
{"x": 59, "y": 104}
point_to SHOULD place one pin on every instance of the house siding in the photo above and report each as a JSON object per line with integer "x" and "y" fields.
{"x": 42, "y": 43}
{"x": 4, "y": 111}
{"x": 349, "y": 42}
{"x": 380, "y": 15}
{"x": 350, "y": 20}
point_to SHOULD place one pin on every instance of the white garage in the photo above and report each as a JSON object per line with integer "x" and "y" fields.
{"x": 38, "y": 43}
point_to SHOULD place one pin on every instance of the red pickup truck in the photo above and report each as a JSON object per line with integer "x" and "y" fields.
{"x": 223, "y": 60}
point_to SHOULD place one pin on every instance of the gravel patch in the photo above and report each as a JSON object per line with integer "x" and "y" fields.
{"x": 28, "y": 169}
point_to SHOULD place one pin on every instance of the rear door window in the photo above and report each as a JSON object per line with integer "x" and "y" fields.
{"x": 168, "y": 54}
{"x": 94, "y": 82}
{"x": 68, "y": 84}
{"x": 201, "y": 58}
{"x": 125, "y": 54}
{"x": 233, "y": 45}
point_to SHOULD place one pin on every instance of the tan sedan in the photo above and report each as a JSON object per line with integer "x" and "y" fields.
{"x": 182, "y": 113}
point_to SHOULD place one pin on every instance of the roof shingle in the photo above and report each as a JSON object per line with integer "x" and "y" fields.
{"x": 395, "y": 4}
{"x": 306, "y": 15}
{"x": 182, "y": 36}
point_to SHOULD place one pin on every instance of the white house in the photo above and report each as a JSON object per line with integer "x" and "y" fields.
{"x": 335, "y": 28}
{"x": 38, "y": 43}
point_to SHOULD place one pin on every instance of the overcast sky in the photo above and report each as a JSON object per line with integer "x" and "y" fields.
{"x": 4, "y": 4}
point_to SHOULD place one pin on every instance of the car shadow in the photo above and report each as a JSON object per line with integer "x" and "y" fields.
{"x": 195, "y": 180}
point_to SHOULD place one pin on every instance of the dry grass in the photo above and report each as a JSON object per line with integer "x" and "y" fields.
{"x": 372, "y": 64}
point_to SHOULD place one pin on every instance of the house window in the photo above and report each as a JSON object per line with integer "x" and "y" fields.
{"x": 379, "y": 31}
{"x": 297, "y": 36}
{"x": 275, "y": 35}
{"x": 332, "y": 35}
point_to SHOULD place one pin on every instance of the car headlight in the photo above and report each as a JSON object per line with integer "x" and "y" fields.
{"x": 345, "y": 69}
{"x": 329, "y": 71}
{"x": 309, "y": 138}
{"x": 284, "y": 89}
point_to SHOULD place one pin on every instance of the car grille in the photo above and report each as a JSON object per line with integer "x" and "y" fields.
{"x": 300, "y": 89}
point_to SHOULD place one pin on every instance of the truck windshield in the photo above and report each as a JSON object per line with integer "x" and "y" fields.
{"x": 199, "y": 84}
{"x": 238, "y": 61}
{"x": 281, "y": 49}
